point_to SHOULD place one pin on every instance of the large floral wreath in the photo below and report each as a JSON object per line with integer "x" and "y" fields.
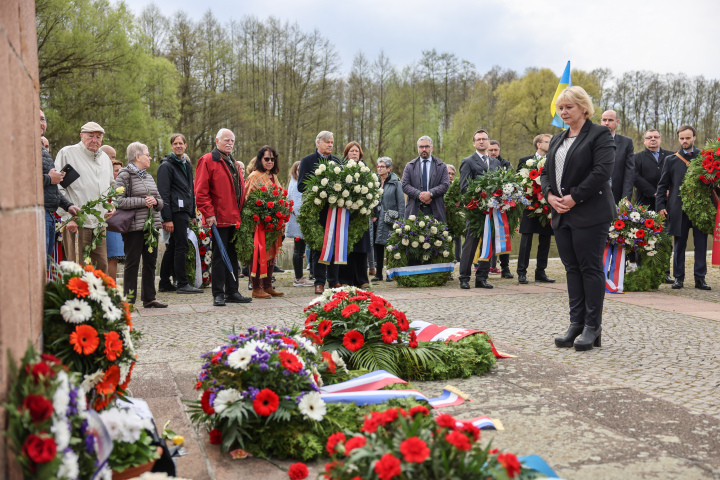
{"x": 454, "y": 209}
{"x": 420, "y": 238}
{"x": 266, "y": 208}
{"x": 701, "y": 187}
{"x": 350, "y": 185}
{"x": 203, "y": 235}
{"x": 538, "y": 206}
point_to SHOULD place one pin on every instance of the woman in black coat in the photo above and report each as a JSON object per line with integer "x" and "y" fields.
{"x": 576, "y": 183}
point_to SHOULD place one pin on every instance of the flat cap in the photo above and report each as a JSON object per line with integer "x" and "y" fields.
{"x": 91, "y": 127}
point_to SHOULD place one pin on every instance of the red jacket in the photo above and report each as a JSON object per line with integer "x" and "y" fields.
{"x": 215, "y": 191}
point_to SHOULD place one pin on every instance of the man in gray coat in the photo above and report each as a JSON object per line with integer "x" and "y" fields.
{"x": 425, "y": 181}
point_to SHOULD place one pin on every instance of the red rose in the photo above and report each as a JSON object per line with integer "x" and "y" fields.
{"x": 263, "y": 188}
{"x": 271, "y": 204}
{"x": 40, "y": 408}
{"x": 39, "y": 449}
{"x": 259, "y": 203}
{"x": 40, "y": 369}
{"x": 389, "y": 332}
{"x": 353, "y": 443}
{"x": 279, "y": 215}
{"x": 267, "y": 219}
{"x": 50, "y": 359}
{"x": 266, "y": 402}
{"x": 298, "y": 471}
{"x": 292, "y": 203}
{"x": 275, "y": 193}
{"x": 333, "y": 441}
{"x": 483, "y": 195}
{"x": 388, "y": 467}
{"x": 256, "y": 218}
{"x": 353, "y": 340}
{"x": 511, "y": 464}
{"x": 268, "y": 226}
{"x": 459, "y": 440}
{"x": 285, "y": 192}
{"x": 215, "y": 437}
{"x": 414, "y": 450}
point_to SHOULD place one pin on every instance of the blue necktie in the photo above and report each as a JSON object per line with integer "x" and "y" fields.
{"x": 425, "y": 175}
{"x": 657, "y": 156}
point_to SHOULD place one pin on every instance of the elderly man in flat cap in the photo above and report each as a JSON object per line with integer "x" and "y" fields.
{"x": 96, "y": 176}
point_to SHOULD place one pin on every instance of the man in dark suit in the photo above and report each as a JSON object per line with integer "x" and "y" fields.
{"x": 425, "y": 181}
{"x": 324, "y": 143}
{"x": 623, "y": 175}
{"x": 476, "y": 164}
{"x": 494, "y": 151}
{"x": 530, "y": 226}
{"x": 670, "y": 206}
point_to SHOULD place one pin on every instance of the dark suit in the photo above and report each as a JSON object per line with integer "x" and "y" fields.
{"x": 678, "y": 224}
{"x": 623, "y": 175}
{"x": 470, "y": 168}
{"x": 647, "y": 176}
{"x": 581, "y": 233}
{"x": 528, "y": 227}
{"x": 412, "y": 186}
{"x": 321, "y": 271}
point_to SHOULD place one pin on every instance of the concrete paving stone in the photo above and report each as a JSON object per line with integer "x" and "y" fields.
{"x": 658, "y": 468}
{"x": 151, "y": 380}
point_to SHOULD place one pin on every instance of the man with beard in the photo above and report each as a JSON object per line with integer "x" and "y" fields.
{"x": 425, "y": 181}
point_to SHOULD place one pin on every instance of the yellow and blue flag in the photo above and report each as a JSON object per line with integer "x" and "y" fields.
{"x": 565, "y": 82}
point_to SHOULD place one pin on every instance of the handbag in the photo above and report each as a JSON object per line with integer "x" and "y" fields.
{"x": 391, "y": 216}
{"x": 122, "y": 219}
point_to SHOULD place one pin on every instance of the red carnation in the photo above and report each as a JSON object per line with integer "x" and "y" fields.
{"x": 275, "y": 193}
{"x": 353, "y": 340}
{"x": 263, "y": 188}
{"x": 266, "y": 402}
{"x": 468, "y": 427}
{"x": 353, "y": 443}
{"x": 377, "y": 310}
{"x": 389, "y": 332}
{"x": 414, "y": 450}
{"x": 256, "y": 218}
{"x": 333, "y": 441}
{"x": 619, "y": 224}
{"x": 298, "y": 471}
{"x": 372, "y": 422}
{"x": 290, "y": 361}
{"x": 271, "y": 204}
{"x": 311, "y": 318}
{"x": 421, "y": 409}
{"x": 413, "y": 339}
{"x": 350, "y": 309}
{"x": 40, "y": 408}
{"x": 511, "y": 464}
{"x": 39, "y": 449}
{"x": 324, "y": 328}
{"x": 640, "y": 233}
{"x": 459, "y": 440}
{"x": 259, "y": 202}
{"x": 446, "y": 421}
{"x": 215, "y": 437}
{"x": 388, "y": 467}
{"x": 205, "y": 403}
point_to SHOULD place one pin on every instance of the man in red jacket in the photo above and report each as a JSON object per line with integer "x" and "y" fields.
{"x": 219, "y": 194}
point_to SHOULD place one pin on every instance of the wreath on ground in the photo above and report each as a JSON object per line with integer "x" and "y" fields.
{"x": 420, "y": 238}
{"x": 349, "y": 185}
{"x": 701, "y": 187}
{"x": 203, "y": 237}
{"x": 454, "y": 209}
{"x": 497, "y": 189}
{"x": 637, "y": 229}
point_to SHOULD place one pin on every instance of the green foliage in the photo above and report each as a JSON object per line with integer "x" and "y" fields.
{"x": 485, "y": 192}
{"x": 244, "y": 237}
{"x": 471, "y": 355}
{"x": 650, "y": 272}
{"x": 125, "y": 455}
{"x": 454, "y": 209}
{"x": 696, "y": 194}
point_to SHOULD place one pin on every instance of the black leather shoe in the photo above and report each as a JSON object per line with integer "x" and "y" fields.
{"x": 566, "y": 341}
{"x": 482, "y": 284}
{"x": 522, "y": 279}
{"x": 219, "y": 300}
{"x": 669, "y": 280}
{"x": 188, "y": 289}
{"x": 155, "y": 304}
{"x": 167, "y": 288}
{"x": 376, "y": 279}
{"x": 278, "y": 269}
{"x": 701, "y": 285}
{"x": 589, "y": 338}
{"x": 237, "y": 298}
{"x": 388, "y": 279}
{"x": 464, "y": 284}
{"x": 543, "y": 278}
{"x": 506, "y": 273}
{"x": 677, "y": 285}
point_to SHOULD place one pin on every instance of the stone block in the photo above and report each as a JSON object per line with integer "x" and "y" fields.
{"x": 28, "y": 41}
{"x": 11, "y": 22}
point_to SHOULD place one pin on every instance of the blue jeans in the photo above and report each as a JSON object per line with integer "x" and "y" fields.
{"x": 49, "y": 237}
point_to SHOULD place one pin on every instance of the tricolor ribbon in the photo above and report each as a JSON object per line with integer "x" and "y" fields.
{"x": 420, "y": 269}
{"x": 429, "y": 332}
{"x": 259, "y": 253}
{"x": 335, "y": 242}
{"x": 614, "y": 268}
{"x": 497, "y": 218}
{"x": 197, "y": 281}
{"x": 716, "y": 239}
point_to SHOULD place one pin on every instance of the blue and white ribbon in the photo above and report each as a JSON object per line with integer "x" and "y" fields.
{"x": 197, "y": 281}
{"x": 418, "y": 269}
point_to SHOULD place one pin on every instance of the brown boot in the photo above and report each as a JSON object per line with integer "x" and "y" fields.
{"x": 273, "y": 292}
{"x": 259, "y": 293}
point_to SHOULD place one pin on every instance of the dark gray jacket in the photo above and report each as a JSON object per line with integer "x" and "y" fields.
{"x": 412, "y": 186}
{"x": 392, "y": 199}
{"x": 53, "y": 197}
{"x": 668, "y": 192}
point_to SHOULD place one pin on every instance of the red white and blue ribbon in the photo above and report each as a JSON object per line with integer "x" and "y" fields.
{"x": 419, "y": 269}
{"x": 614, "y": 268}
{"x": 370, "y": 381}
{"x": 429, "y": 332}
{"x": 483, "y": 423}
{"x": 335, "y": 242}
{"x": 502, "y": 235}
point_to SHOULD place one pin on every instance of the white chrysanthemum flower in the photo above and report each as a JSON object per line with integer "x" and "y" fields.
{"x": 341, "y": 203}
{"x": 323, "y": 194}
{"x": 357, "y": 189}
{"x": 337, "y": 170}
{"x": 332, "y": 199}
{"x": 61, "y": 431}
{"x": 426, "y": 245}
{"x": 407, "y": 228}
{"x": 318, "y": 171}
{"x": 438, "y": 243}
{"x": 114, "y": 422}
{"x": 69, "y": 468}
{"x": 364, "y": 190}
{"x": 315, "y": 188}
{"x": 240, "y": 359}
{"x": 312, "y": 406}
{"x": 76, "y": 310}
{"x": 317, "y": 201}
{"x": 89, "y": 381}
{"x": 71, "y": 267}
{"x": 324, "y": 182}
{"x": 349, "y": 179}
{"x": 345, "y": 194}
{"x": 81, "y": 400}
{"x": 405, "y": 241}
{"x": 61, "y": 397}
{"x": 337, "y": 187}
{"x": 414, "y": 244}
{"x": 225, "y": 398}
{"x": 133, "y": 426}
{"x": 363, "y": 211}
{"x": 433, "y": 230}
{"x": 446, "y": 253}
{"x": 124, "y": 370}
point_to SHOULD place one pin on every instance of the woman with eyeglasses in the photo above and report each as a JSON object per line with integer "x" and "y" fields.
{"x": 265, "y": 173}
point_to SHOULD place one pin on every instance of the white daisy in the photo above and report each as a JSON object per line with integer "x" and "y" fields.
{"x": 76, "y": 310}
{"x": 112, "y": 313}
{"x": 69, "y": 467}
{"x": 206, "y": 241}
{"x": 71, "y": 267}
{"x": 311, "y": 405}
{"x": 240, "y": 359}
{"x": 95, "y": 286}
{"x": 89, "y": 381}
{"x": 224, "y": 398}
{"x": 309, "y": 347}
{"x": 339, "y": 361}
{"x": 61, "y": 431}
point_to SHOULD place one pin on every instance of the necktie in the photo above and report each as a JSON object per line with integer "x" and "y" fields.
{"x": 425, "y": 175}
{"x": 657, "y": 156}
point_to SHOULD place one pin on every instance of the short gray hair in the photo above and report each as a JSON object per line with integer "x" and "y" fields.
{"x": 323, "y": 136}
{"x": 451, "y": 167}
{"x": 386, "y": 160}
{"x": 135, "y": 149}
{"x": 220, "y": 132}
{"x": 425, "y": 137}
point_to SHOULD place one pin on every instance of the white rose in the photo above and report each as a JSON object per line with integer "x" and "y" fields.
{"x": 323, "y": 194}
{"x": 415, "y": 244}
{"x": 337, "y": 170}
{"x": 364, "y": 169}
{"x": 438, "y": 243}
{"x": 369, "y": 196}
{"x": 380, "y": 192}
{"x": 433, "y": 230}
{"x": 405, "y": 241}
{"x": 324, "y": 182}
{"x": 341, "y": 203}
{"x": 332, "y": 199}
{"x": 370, "y": 185}
{"x": 315, "y": 188}
{"x": 426, "y": 245}
{"x": 407, "y": 227}
{"x": 356, "y": 189}
{"x": 364, "y": 190}
{"x": 530, "y": 162}
{"x": 351, "y": 163}
{"x": 374, "y": 176}
{"x": 422, "y": 238}
{"x": 357, "y": 175}
{"x": 317, "y": 201}
{"x": 345, "y": 193}
{"x": 398, "y": 230}
{"x": 397, "y": 256}
{"x": 446, "y": 253}
{"x": 332, "y": 163}
{"x": 422, "y": 224}
{"x": 337, "y": 187}
{"x": 396, "y": 225}
{"x": 412, "y": 218}
{"x": 349, "y": 179}
{"x": 323, "y": 167}
{"x": 318, "y": 171}
{"x": 360, "y": 203}
{"x": 377, "y": 184}
{"x": 390, "y": 248}
{"x": 363, "y": 211}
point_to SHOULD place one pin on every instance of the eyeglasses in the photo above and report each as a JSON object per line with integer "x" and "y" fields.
{"x": 424, "y": 147}
{"x": 656, "y": 137}
{"x": 381, "y": 166}
{"x": 482, "y": 139}
{"x": 268, "y": 159}
{"x": 148, "y": 155}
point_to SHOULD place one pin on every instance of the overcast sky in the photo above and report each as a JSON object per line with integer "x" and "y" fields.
{"x": 658, "y": 35}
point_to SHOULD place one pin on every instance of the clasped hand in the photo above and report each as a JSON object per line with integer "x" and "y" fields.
{"x": 150, "y": 201}
{"x": 425, "y": 197}
{"x": 561, "y": 204}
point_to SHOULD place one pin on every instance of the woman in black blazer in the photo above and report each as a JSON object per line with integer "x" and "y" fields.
{"x": 576, "y": 183}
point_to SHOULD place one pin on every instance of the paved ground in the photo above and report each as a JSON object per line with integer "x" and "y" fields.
{"x": 645, "y": 405}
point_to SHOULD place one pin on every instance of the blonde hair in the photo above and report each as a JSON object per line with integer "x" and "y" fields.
{"x": 294, "y": 170}
{"x": 578, "y": 96}
{"x": 251, "y": 166}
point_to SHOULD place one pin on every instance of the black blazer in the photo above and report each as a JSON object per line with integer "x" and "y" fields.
{"x": 668, "y": 191}
{"x": 623, "y": 174}
{"x": 586, "y": 177}
{"x": 532, "y": 224}
{"x": 174, "y": 186}
{"x": 647, "y": 176}
{"x": 472, "y": 166}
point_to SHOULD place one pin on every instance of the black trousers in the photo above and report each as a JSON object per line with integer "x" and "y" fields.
{"x": 504, "y": 260}
{"x": 581, "y": 251}
{"x": 543, "y": 251}
{"x": 680, "y": 244}
{"x": 468, "y": 253}
{"x": 135, "y": 249}
{"x": 355, "y": 272}
{"x": 222, "y": 281}
{"x": 379, "y": 259}
{"x": 323, "y": 273}
{"x": 173, "y": 262}
{"x": 458, "y": 247}
{"x": 298, "y": 255}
